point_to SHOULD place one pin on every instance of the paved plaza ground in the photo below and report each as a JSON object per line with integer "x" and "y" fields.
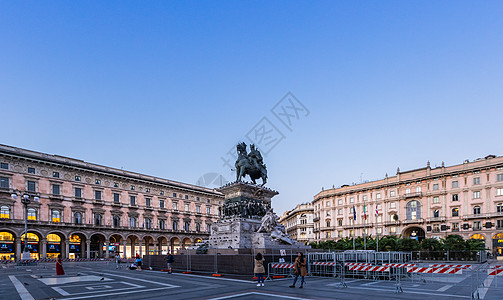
{"x": 101, "y": 280}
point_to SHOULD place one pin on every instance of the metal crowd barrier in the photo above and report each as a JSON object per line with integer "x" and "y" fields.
{"x": 279, "y": 270}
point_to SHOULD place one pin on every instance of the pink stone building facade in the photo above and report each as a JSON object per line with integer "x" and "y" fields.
{"x": 464, "y": 199}
{"x": 87, "y": 210}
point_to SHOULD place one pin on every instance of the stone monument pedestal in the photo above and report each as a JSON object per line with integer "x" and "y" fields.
{"x": 248, "y": 221}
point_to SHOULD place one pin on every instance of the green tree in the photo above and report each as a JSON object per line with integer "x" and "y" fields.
{"x": 431, "y": 245}
{"x": 454, "y": 242}
{"x": 407, "y": 244}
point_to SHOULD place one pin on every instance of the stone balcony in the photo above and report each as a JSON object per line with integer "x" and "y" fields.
{"x": 437, "y": 219}
{"x": 412, "y": 195}
{"x": 415, "y": 221}
{"x": 476, "y": 216}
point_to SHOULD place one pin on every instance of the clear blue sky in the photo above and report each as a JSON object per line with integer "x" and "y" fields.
{"x": 168, "y": 87}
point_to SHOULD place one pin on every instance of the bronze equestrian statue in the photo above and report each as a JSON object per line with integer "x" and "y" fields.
{"x": 250, "y": 164}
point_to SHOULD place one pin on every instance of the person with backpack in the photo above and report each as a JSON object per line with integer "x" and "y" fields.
{"x": 170, "y": 259}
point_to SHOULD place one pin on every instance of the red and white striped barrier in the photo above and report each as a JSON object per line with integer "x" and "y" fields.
{"x": 435, "y": 270}
{"x": 319, "y": 263}
{"x": 357, "y": 264}
{"x": 6, "y": 261}
{"x": 497, "y": 272}
{"x": 496, "y": 267}
{"x": 400, "y": 265}
{"x": 283, "y": 266}
{"x": 369, "y": 268}
{"x": 450, "y": 266}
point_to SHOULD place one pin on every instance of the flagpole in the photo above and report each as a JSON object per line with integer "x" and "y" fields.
{"x": 377, "y": 228}
{"x": 364, "y": 228}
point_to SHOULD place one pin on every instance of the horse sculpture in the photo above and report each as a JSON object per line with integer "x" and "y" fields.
{"x": 250, "y": 164}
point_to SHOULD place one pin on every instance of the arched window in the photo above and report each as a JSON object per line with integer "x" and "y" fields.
{"x": 56, "y": 216}
{"x": 117, "y": 221}
{"x": 4, "y": 212}
{"x": 455, "y": 212}
{"x": 476, "y": 210}
{"x": 162, "y": 224}
{"x": 32, "y": 214}
{"x": 413, "y": 210}
{"x": 328, "y": 223}
{"x": 148, "y": 223}
{"x": 175, "y": 225}
{"x": 77, "y": 217}
{"x": 132, "y": 222}
{"x": 198, "y": 227}
{"x": 499, "y": 208}
{"x": 186, "y": 226}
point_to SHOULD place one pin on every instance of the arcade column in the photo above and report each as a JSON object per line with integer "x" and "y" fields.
{"x": 67, "y": 249}
{"x": 18, "y": 248}
{"x": 44, "y": 249}
{"x": 124, "y": 243}
{"x": 107, "y": 249}
{"x": 88, "y": 249}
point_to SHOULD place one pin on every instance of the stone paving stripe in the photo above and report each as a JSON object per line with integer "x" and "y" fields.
{"x": 411, "y": 292}
{"x": 257, "y": 293}
{"x": 21, "y": 290}
{"x": 60, "y": 291}
{"x": 117, "y": 293}
{"x": 65, "y": 280}
{"x": 444, "y": 288}
{"x": 138, "y": 279}
{"x": 219, "y": 278}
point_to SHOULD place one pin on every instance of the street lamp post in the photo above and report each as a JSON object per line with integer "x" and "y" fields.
{"x": 25, "y": 200}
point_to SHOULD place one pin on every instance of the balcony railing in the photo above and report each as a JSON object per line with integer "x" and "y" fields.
{"x": 391, "y": 223}
{"x": 412, "y": 195}
{"x": 475, "y": 216}
{"x": 437, "y": 219}
{"x": 416, "y": 221}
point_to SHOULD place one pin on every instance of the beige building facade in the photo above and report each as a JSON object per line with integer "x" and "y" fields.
{"x": 464, "y": 199}
{"x": 298, "y": 223}
{"x": 88, "y": 211}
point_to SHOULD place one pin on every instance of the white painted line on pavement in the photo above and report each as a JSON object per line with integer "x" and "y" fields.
{"x": 61, "y": 291}
{"x": 444, "y": 288}
{"x": 257, "y": 293}
{"x": 487, "y": 284}
{"x": 371, "y": 283}
{"x": 118, "y": 293}
{"x": 409, "y": 291}
{"x": 138, "y": 279}
{"x": 217, "y": 278}
{"x": 21, "y": 290}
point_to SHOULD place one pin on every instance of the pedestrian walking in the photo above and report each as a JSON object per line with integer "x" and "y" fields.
{"x": 300, "y": 270}
{"x": 59, "y": 266}
{"x": 117, "y": 261}
{"x": 259, "y": 269}
{"x": 138, "y": 262}
{"x": 170, "y": 259}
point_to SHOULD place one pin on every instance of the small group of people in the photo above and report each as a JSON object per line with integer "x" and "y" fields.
{"x": 300, "y": 269}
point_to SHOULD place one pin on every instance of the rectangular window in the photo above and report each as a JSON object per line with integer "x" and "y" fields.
{"x": 435, "y": 187}
{"x": 175, "y": 205}
{"x": 499, "y": 192}
{"x": 499, "y": 177}
{"x": 392, "y": 230}
{"x": 31, "y": 186}
{"x": 78, "y": 192}
{"x": 352, "y": 199}
{"x": 476, "y": 195}
{"x": 339, "y": 222}
{"x": 477, "y": 225}
{"x": 117, "y": 197}
{"x": 418, "y": 189}
{"x": 97, "y": 195}
{"x": 147, "y": 202}
{"x": 132, "y": 200}
{"x": 4, "y": 182}
{"x": 4, "y": 166}
{"x": 407, "y": 191}
{"x": 455, "y": 226}
{"x": 392, "y": 193}
{"x": 455, "y": 212}
{"x": 161, "y": 203}
{"x": 455, "y": 184}
{"x": 55, "y": 189}
{"x": 499, "y": 224}
{"x": 436, "y": 199}
{"x": 392, "y": 205}
{"x": 455, "y": 197}
{"x": 31, "y": 170}
{"x": 174, "y": 195}
{"x": 186, "y": 197}
{"x": 186, "y": 207}
{"x": 208, "y": 210}
{"x": 55, "y": 174}
{"x": 476, "y": 180}
{"x": 378, "y": 195}
{"x": 339, "y": 212}
{"x": 436, "y": 227}
{"x": 339, "y": 201}
{"x": 198, "y": 208}
{"x": 364, "y": 198}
